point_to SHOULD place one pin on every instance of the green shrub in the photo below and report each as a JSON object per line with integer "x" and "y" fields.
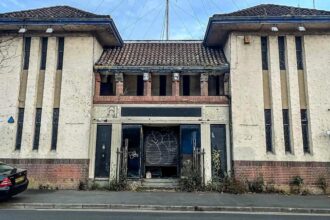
{"x": 214, "y": 186}
{"x": 120, "y": 185}
{"x": 297, "y": 181}
{"x": 322, "y": 183}
{"x": 257, "y": 186}
{"x": 191, "y": 182}
{"x": 296, "y": 184}
{"x": 232, "y": 185}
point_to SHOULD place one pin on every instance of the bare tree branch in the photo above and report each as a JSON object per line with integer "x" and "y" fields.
{"x": 8, "y": 51}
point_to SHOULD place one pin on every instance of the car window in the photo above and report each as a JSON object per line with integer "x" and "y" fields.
{"x": 5, "y": 168}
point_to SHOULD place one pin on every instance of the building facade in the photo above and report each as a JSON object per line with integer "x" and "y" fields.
{"x": 78, "y": 103}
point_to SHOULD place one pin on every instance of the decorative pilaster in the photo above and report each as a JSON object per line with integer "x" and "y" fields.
{"x": 204, "y": 84}
{"x": 147, "y": 84}
{"x": 176, "y": 84}
{"x": 119, "y": 77}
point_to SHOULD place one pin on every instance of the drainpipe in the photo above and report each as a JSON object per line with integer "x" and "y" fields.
{"x": 230, "y": 135}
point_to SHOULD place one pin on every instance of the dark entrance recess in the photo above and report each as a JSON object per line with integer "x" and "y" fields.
{"x": 219, "y": 152}
{"x": 161, "y": 147}
{"x": 132, "y": 139}
{"x": 102, "y": 156}
{"x": 190, "y": 139}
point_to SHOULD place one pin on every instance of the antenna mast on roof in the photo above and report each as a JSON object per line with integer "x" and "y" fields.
{"x": 167, "y": 18}
{"x": 314, "y": 4}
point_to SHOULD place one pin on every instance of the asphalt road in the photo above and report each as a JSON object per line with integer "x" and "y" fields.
{"x": 117, "y": 215}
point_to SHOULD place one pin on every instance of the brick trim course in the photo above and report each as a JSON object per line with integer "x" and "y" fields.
{"x": 282, "y": 172}
{"x": 55, "y": 173}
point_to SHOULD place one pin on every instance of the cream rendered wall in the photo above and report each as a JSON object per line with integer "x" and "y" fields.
{"x": 317, "y": 72}
{"x": 80, "y": 54}
{"x": 10, "y": 71}
{"x": 247, "y": 98}
{"x": 211, "y": 114}
{"x": 76, "y": 97}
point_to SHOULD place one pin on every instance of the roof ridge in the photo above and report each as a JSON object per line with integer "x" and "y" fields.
{"x": 270, "y": 9}
{"x": 24, "y": 13}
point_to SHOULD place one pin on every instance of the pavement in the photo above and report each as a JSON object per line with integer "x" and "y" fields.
{"x": 168, "y": 201}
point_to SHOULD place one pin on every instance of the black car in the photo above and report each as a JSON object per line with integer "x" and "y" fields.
{"x": 12, "y": 181}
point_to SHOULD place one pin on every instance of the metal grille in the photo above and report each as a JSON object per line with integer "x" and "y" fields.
{"x": 268, "y": 130}
{"x": 44, "y": 53}
{"x": 37, "y": 129}
{"x": 304, "y": 127}
{"x": 19, "y": 128}
{"x": 299, "y": 53}
{"x": 286, "y": 127}
{"x": 27, "y": 47}
{"x": 281, "y": 50}
{"x": 264, "y": 52}
{"x": 56, "y": 114}
{"x": 60, "y": 53}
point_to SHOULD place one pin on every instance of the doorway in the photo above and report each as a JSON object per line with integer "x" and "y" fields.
{"x": 103, "y": 151}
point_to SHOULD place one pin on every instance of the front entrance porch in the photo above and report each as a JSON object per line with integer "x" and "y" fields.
{"x": 159, "y": 151}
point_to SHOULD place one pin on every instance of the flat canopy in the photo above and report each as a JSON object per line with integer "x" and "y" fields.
{"x": 63, "y": 19}
{"x": 162, "y": 56}
{"x": 262, "y": 18}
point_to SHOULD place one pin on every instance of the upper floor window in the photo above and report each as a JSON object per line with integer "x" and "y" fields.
{"x": 216, "y": 85}
{"x": 44, "y": 46}
{"x": 27, "y": 48}
{"x": 107, "y": 85}
{"x": 281, "y": 50}
{"x": 190, "y": 85}
{"x": 133, "y": 85}
{"x": 299, "y": 53}
{"x": 161, "y": 85}
{"x": 264, "y": 52}
{"x": 60, "y": 53}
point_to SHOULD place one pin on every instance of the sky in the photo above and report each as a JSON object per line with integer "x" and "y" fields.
{"x": 144, "y": 19}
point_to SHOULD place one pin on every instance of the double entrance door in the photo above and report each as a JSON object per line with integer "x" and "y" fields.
{"x": 158, "y": 151}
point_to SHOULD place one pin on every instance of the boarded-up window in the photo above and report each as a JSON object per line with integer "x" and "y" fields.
{"x": 44, "y": 46}
{"x": 281, "y": 50}
{"x": 264, "y": 52}
{"x": 304, "y": 127}
{"x": 286, "y": 128}
{"x": 56, "y": 114}
{"x": 268, "y": 130}
{"x": 60, "y": 53}
{"x": 19, "y": 128}
{"x": 299, "y": 53}
{"x": 27, "y": 48}
{"x": 37, "y": 126}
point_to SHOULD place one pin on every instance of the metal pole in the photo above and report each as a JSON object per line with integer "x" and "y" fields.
{"x": 314, "y": 4}
{"x": 167, "y": 18}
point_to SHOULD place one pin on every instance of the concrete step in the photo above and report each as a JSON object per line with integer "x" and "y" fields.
{"x": 160, "y": 183}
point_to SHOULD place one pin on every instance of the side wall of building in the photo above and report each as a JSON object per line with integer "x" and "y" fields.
{"x": 250, "y": 157}
{"x": 66, "y": 166}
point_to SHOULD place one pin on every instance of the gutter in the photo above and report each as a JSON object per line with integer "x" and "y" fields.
{"x": 64, "y": 21}
{"x": 229, "y": 20}
{"x": 139, "y": 69}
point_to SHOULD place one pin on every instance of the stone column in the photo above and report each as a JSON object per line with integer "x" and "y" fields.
{"x": 147, "y": 84}
{"x": 176, "y": 84}
{"x": 204, "y": 84}
{"x": 119, "y": 77}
